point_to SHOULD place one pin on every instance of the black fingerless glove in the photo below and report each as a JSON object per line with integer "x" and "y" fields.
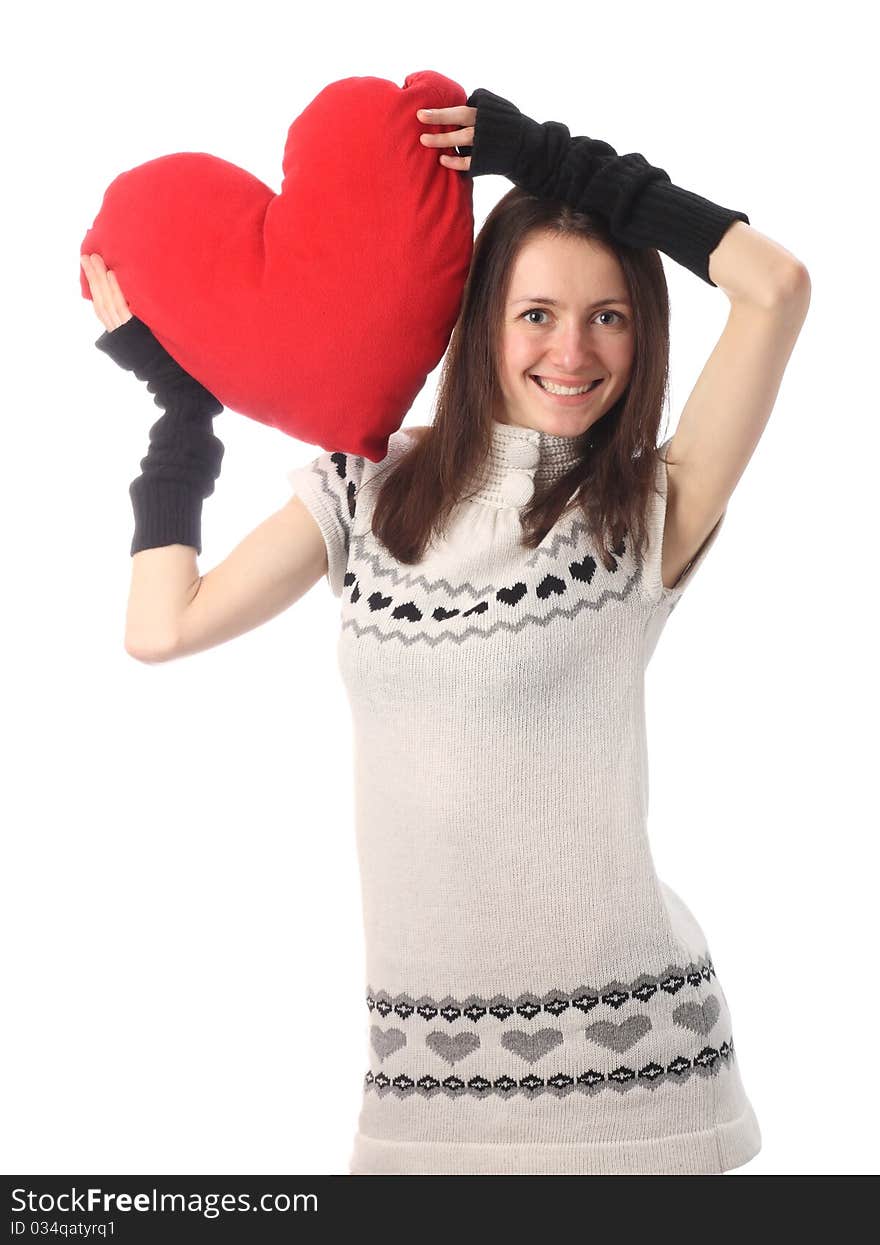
{"x": 184, "y": 456}
{"x": 638, "y": 201}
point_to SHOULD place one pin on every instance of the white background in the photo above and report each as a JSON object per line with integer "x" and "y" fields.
{"x": 183, "y": 953}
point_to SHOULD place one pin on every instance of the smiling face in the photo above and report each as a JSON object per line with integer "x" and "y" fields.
{"x": 566, "y": 319}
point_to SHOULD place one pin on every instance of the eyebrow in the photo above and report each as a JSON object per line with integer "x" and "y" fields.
{"x": 551, "y": 302}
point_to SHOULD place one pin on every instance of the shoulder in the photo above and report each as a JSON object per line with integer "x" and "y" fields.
{"x": 413, "y": 434}
{"x": 401, "y": 441}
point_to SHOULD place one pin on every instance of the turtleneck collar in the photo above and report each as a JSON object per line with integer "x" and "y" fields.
{"x": 523, "y": 459}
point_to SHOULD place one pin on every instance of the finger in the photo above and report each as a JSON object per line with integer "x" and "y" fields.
{"x": 459, "y": 114}
{"x": 461, "y": 163}
{"x": 451, "y": 138}
{"x": 100, "y": 291}
{"x": 119, "y": 306}
{"x": 103, "y": 296}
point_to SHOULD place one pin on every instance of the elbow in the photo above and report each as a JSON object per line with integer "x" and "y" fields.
{"x": 149, "y": 650}
{"x": 793, "y": 286}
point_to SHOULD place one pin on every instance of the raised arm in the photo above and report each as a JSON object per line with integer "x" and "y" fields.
{"x": 768, "y": 288}
{"x": 638, "y": 200}
{"x": 172, "y": 609}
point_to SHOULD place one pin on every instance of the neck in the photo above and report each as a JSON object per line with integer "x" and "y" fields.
{"x": 522, "y": 459}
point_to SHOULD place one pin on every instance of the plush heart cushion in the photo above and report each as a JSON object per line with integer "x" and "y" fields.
{"x": 320, "y": 310}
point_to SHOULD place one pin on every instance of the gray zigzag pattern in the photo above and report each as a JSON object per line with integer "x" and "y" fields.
{"x": 331, "y": 483}
{"x": 475, "y": 632}
{"x": 380, "y": 571}
{"x": 706, "y": 1063}
{"x": 578, "y": 528}
{"x": 695, "y": 971}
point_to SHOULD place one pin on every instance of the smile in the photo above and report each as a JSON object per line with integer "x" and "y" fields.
{"x": 566, "y": 393}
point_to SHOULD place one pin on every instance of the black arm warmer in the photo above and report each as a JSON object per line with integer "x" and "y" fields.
{"x": 184, "y": 456}
{"x": 639, "y": 202}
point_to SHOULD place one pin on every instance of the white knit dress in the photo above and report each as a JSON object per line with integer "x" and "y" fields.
{"x": 538, "y": 1000}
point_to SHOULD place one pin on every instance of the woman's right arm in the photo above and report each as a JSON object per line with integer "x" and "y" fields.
{"x": 173, "y": 611}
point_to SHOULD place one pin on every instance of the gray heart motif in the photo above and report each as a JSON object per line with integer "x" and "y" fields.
{"x": 451, "y": 1048}
{"x": 531, "y": 1046}
{"x": 696, "y": 1016}
{"x": 619, "y": 1037}
{"x": 387, "y": 1042}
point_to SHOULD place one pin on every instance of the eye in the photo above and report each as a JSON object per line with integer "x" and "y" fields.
{"x": 611, "y": 313}
{"x": 541, "y": 312}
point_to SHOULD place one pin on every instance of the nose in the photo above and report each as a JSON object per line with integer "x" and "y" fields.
{"x": 571, "y": 349}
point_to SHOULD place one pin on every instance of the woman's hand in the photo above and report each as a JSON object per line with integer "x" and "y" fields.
{"x": 107, "y": 300}
{"x": 459, "y": 115}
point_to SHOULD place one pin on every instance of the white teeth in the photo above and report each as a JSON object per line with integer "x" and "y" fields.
{"x": 562, "y": 389}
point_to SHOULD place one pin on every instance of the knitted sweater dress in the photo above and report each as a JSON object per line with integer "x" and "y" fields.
{"x": 538, "y": 1000}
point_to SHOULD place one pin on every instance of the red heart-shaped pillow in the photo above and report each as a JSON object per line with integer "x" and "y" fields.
{"x": 320, "y": 310}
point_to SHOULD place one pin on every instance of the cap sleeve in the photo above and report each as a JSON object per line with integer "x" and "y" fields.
{"x": 654, "y": 587}
{"x": 327, "y": 487}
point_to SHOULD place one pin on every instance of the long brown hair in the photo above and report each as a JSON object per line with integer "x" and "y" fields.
{"x": 613, "y": 479}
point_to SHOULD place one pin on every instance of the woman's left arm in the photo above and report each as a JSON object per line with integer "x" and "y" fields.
{"x": 751, "y": 268}
{"x": 638, "y": 201}
{"x": 769, "y": 291}
{"x": 728, "y": 408}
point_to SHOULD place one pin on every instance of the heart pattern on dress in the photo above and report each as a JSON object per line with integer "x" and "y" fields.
{"x": 700, "y": 1017}
{"x": 511, "y": 596}
{"x": 583, "y": 570}
{"x": 619, "y": 1037}
{"x": 386, "y": 1041}
{"x": 550, "y": 584}
{"x": 531, "y": 1046}
{"x": 452, "y": 1047}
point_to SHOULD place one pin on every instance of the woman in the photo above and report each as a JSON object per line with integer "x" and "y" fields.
{"x": 539, "y": 1001}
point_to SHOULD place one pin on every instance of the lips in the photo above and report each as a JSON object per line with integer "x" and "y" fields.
{"x": 566, "y": 384}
